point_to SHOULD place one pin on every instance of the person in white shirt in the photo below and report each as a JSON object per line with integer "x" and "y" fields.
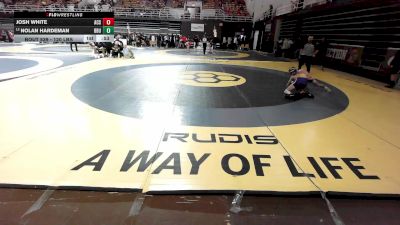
{"x": 287, "y": 43}
{"x": 187, "y": 43}
{"x": 235, "y": 41}
{"x": 204, "y": 44}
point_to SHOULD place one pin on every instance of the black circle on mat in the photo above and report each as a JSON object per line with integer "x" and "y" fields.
{"x": 12, "y": 64}
{"x": 151, "y": 90}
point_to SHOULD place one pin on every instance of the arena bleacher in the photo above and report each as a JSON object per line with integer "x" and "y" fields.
{"x": 230, "y": 7}
{"x": 225, "y": 10}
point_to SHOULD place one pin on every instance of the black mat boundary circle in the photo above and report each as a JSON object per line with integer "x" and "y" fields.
{"x": 323, "y": 106}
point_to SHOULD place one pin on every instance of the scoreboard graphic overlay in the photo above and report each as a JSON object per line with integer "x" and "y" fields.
{"x": 64, "y": 26}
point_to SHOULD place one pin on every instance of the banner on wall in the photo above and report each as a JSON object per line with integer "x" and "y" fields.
{"x": 384, "y": 67}
{"x": 346, "y": 54}
{"x": 197, "y": 27}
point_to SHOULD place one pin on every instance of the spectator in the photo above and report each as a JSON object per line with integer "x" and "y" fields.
{"x": 286, "y": 45}
{"x": 298, "y": 45}
{"x": 235, "y": 42}
{"x": 269, "y": 43}
{"x": 196, "y": 41}
{"x": 184, "y": 39}
{"x": 300, "y": 4}
{"x": 278, "y": 51}
{"x": 159, "y": 41}
{"x": 271, "y": 11}
{"x": 187, "y": 44}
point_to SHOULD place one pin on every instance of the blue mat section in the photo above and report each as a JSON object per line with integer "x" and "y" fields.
{"x": 10, "y": 65}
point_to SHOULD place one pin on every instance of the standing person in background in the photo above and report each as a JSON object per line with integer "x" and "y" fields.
{"x": 177, "y": 41}
{"x": 240, "y": 42}
{"x": 298, "y": 45}
{"x": 187, "y": 43}
{"x": 204, "y": 44}
{"x": 287, "y": 43}
{"x": 307, "y": 53}
{"x": 184, "y": 39}
{"x": 211, "y": 46}
{"x": 180, "y": 45}
{"x": 166, "y": 39}
{"x": 322, "y": 47}
{"x": 196, "y": 41}
{"x": 270, "y": 44}
{"x": 172, "y": 38}
{"x": 235, "y": 42}
{"x": 153, "y": 42}
{"x": 215, "y": 40}
{"x": 158, "y": 41}
{"x": 278, "y": 50}
{"x": 76, "y": 46}
{"x": 394, "y": 64}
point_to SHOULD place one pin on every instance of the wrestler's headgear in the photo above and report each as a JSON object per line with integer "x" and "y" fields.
{"x": 292, "y": 71}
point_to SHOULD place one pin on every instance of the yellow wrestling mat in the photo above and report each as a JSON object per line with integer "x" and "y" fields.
{"x": 53, "y": 134}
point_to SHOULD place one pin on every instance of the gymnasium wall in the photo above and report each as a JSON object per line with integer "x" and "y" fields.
{"x": 372, "y": 26}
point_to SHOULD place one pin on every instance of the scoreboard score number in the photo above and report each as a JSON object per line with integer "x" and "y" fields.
{"x": 108, "y": 21}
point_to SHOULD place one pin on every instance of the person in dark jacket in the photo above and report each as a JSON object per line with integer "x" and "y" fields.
{"x": 196, "y": 41}
{"x": 322, "y": 48}
{"x": 394, "y": 64}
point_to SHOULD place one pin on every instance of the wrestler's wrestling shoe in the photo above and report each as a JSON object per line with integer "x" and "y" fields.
{"x": 290, "y": 96}
{"x": 308, "y": 95}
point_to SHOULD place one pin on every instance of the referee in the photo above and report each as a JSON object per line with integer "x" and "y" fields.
{"x": 204, "y": 44}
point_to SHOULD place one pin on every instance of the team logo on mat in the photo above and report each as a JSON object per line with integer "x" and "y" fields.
{"x": 210, "y": 79}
